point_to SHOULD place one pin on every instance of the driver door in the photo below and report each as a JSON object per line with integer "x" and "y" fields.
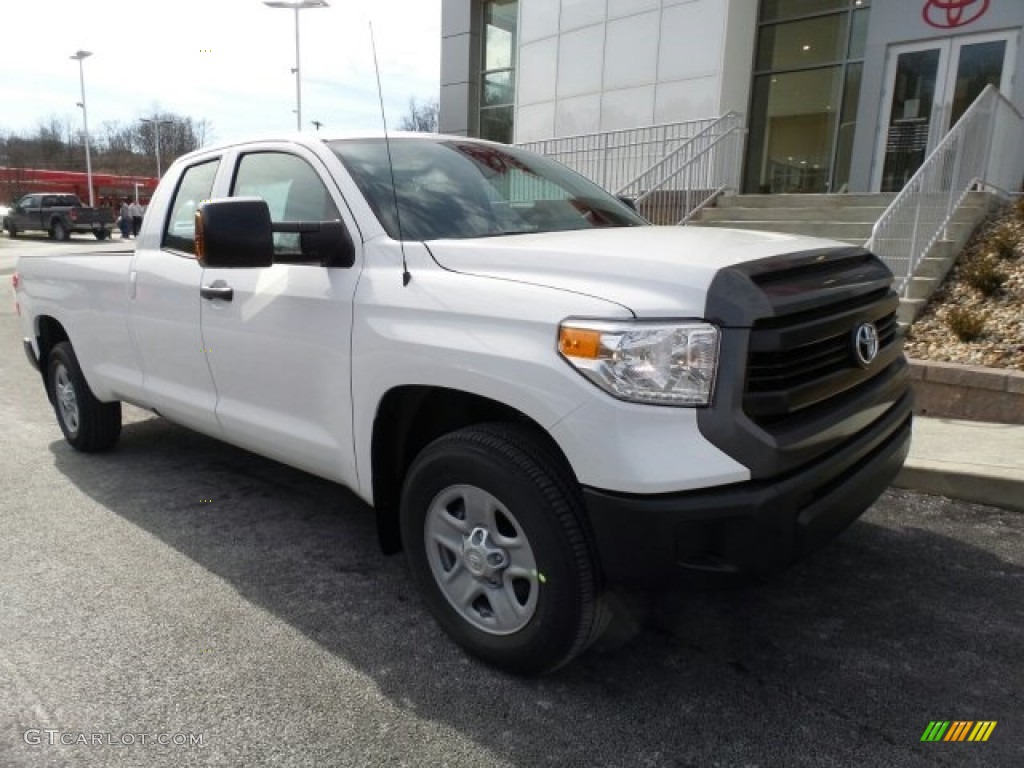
{"x": 280, "y": 347}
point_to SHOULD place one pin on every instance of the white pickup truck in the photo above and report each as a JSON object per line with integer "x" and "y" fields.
{"x": 540, "y": 395}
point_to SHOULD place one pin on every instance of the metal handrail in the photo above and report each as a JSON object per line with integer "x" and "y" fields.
{"x": 612, "y": 159}
{"x": 672, "y": 170}
{"x": 693, "y": 176}
{"x": 984, "y": 148}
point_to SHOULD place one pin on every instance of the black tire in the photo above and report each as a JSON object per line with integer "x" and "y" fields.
{"x": 60, "y": 232}
{"x": 522, "y": 624}
{"x": 12, "y": 231}
{"x": 88, "y": 425}
{"x": 101, "y": 234}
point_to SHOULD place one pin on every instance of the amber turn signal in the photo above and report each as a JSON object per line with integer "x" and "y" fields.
{"x": 578, "y": 342}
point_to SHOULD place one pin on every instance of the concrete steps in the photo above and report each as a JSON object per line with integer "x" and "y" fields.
{"x": 849, "y": 218}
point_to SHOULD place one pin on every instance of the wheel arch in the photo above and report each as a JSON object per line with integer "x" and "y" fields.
{"x": 49, "y": 333}
{"x": 411, "y": 417}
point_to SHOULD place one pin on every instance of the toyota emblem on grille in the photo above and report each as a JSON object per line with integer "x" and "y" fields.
{"x": 865, "y": 343}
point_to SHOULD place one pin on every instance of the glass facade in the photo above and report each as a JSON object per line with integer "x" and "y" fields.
{"x": 808, "y": 66}
{"x": 497, "y": 69}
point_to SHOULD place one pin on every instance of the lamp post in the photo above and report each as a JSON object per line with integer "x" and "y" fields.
{"x": 80, "y": 56}
{"x": 156, "y": 126}
{"x": 297, "y": 5}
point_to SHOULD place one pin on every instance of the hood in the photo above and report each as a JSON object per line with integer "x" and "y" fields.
{"x": 652, "y": 271}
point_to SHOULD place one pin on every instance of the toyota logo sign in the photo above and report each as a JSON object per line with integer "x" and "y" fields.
{"x": 947, "y": 14}
{"x": 865, "y": 343}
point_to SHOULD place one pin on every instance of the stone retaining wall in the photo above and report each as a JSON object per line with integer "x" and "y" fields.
{"x": 950, "y": 391}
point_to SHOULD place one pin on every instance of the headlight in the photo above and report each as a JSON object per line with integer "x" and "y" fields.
{"x": 662, "y": 363}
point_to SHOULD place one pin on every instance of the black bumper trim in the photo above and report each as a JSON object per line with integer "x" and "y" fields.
{"x": 748, "y": 529}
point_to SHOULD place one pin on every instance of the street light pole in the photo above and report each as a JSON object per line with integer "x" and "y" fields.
{"x": 80, "y": 56}
{"x": 297, "y": 5}
{"x": 156, "y": 126}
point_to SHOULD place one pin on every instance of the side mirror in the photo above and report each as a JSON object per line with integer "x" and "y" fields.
{"x": 330, "y": 244}
{"x": 234, "y": 233}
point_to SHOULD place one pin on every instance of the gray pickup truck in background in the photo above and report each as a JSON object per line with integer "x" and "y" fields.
{"x": 58, "y": 215}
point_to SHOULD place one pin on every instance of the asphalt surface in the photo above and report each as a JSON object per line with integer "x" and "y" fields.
{"x": 180, "y": 588}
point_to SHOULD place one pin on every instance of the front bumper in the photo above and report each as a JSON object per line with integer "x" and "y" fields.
{"x": 746, "y": 529}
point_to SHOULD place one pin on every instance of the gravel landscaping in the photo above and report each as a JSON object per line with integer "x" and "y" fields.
{"x": 961, "y": 324}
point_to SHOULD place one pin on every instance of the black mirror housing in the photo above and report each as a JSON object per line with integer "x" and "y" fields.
{"x": 234, "y": 233}
{"x": 330, "y": 244}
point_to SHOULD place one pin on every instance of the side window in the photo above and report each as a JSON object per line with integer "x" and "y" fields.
{"x": 293, "y": 191}
{"x": 195, "y": 187}
{"x": 49, "y": 201}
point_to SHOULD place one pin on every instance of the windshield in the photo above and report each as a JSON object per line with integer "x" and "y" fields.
{"x": 460, "y": 189}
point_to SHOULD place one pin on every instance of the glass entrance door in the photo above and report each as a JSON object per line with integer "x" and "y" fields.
{"x": 928, "y": 88}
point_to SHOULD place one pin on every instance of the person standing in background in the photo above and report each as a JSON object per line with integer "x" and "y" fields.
{"x": 124, "y": 220}
{"x": 136, "y": 211}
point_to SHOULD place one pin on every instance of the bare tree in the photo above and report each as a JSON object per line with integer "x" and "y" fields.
{"x": 116, "y": 148}
{"x": 421, "y": 117}
{"x": 178, "y": 136}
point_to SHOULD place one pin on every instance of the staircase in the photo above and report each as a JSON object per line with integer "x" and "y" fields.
{"x": 849, "y": 218}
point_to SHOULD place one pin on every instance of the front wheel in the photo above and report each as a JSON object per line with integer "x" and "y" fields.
{"x": 88, "y": 424}
{"x": 492, "y": 529}
{"x": 60, "y": 232}
{"x": 12, "y": 231}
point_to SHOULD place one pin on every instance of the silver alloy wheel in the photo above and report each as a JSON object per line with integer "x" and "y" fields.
{"x": 481, "y": 559}
{"x": 67, "y": 401}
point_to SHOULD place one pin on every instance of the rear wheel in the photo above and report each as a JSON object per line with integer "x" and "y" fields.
{"x": 88, "y": 424}
{"x": 101, "y": 234}
{"x": 492, "y": 529}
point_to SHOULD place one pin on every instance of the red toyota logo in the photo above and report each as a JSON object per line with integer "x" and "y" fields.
{"x": 946, "y": 14}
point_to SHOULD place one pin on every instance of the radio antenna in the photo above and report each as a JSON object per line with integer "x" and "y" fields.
{"x": 406, "y": 277}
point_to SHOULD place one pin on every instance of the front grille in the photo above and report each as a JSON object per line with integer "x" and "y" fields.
{"x": 790, "y": 388}
{"x": 797, "y": 361}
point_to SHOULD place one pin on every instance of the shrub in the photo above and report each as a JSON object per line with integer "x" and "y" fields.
{"x": 1019, "y": 207}
{"x": 1003, "y": 242}
{"x": 967, "y": 324}
{"x": 984, "y": 275}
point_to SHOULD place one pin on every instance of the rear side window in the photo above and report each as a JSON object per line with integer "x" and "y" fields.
{"x": 195, "y": 186}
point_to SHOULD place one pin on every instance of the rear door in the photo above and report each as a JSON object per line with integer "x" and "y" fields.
{"x": 280, "y": 348}
{"x": 165, "y": 307}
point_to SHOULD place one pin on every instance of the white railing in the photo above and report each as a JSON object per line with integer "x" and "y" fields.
{"x": 984, "y": 149}
{"x": 672, "y": 171}
{"x": 613, "y": 159}
{"x": 681, "y": 184}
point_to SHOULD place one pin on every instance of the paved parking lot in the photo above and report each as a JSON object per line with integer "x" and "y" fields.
{"x": 188, "y": 591}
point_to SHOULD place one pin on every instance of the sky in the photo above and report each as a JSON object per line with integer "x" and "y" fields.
{"x": 226, "y": 61}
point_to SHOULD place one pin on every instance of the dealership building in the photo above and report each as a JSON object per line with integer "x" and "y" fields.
{"x": 834, "y": 95}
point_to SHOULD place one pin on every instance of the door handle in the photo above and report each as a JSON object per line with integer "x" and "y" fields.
{"x": 218, "y": 290}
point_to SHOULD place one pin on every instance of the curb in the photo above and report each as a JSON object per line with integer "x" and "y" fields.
{"x": 954, "y": 482}
{"x": 969, "y": 442}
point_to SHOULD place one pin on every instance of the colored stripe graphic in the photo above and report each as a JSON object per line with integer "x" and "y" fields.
{"x": 958, "y": 730}
{"x": 982, "y": 730}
